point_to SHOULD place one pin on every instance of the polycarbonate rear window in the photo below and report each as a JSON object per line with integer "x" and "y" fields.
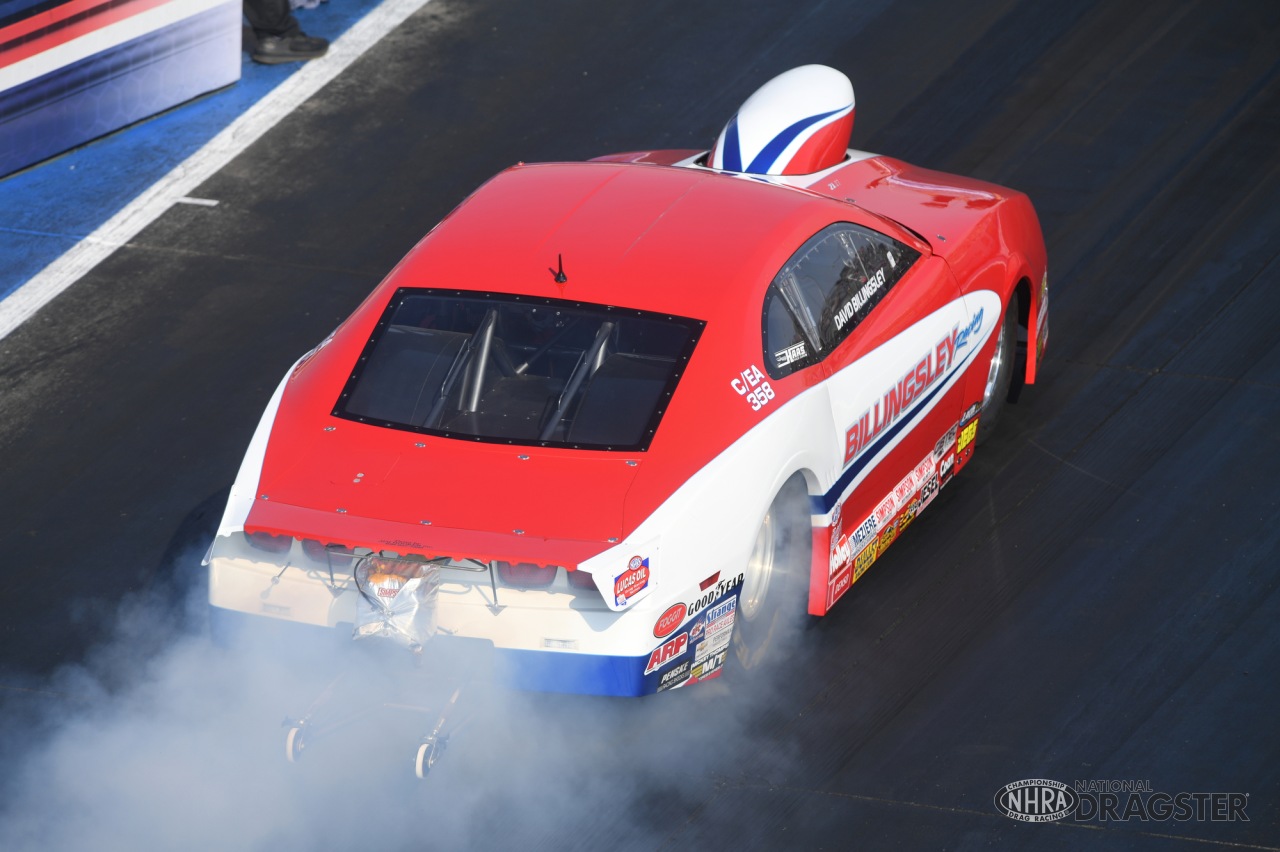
{"x": 519, "y": 370}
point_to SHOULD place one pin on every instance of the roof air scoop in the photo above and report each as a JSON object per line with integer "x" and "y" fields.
{"x": 798, "y": 123}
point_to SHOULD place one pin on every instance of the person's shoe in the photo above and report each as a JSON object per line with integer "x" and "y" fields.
{"x": 299, "y": 47}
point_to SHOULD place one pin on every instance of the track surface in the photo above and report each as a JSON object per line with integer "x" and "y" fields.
{"x": 1095, "y": 598}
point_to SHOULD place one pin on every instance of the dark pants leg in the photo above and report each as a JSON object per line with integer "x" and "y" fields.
{"x": 270, "y": 17}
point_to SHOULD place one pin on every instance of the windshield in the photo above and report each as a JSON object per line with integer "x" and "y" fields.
{"x": 519, "y": 370}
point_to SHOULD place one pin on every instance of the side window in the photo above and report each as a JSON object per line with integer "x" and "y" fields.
{"x": 827, "y": 287}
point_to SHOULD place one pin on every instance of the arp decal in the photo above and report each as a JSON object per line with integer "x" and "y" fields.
{"x": 752, "y": 386}
{"x": 632, "y": 581}
{"x": 667, "y": 652}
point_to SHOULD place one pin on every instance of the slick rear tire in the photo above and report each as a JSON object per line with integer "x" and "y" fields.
{"x": 999, "y": 374}
{"x": 775, "y": 583}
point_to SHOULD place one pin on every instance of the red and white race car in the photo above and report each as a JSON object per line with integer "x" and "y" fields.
{"x": 589, "y": 419}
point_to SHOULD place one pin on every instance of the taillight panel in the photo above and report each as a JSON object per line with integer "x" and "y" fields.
{"x": 526, "y": 575}
{"x": 268, "y": 542}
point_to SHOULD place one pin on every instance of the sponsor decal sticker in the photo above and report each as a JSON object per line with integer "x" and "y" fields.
{"x": 709, "y": 667}
{"x": 669, "y": 621}
{"x": 945, "y": 443}
{"x": 676, "y": 677}
{"x": 967, "y": 434}
{"x": 907, "y": 515}
{"x": 927, "y": 492}
{"x": 790, "y": 355}
{"x": 840, "y": 583}
{"x": 889, "y": 535}
{"x": 667, "y": 652}
{"x": 720, "y": 588}
{"x": 632, "y": 581}
{"x": 946, "y": 468}
{"x": 864, "y": 559}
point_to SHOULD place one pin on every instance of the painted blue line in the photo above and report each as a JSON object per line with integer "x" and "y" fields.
{"x": 821, "y": 504}
{"x": 764, "y": 160}
{"x": 69, "y": 196}
{"x": 732, "y": 157}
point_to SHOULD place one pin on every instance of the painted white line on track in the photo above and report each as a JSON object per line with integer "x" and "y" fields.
{"x": 117, "y": 231}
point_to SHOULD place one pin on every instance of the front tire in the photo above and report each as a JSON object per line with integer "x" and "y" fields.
{"x": 775, "y": 584}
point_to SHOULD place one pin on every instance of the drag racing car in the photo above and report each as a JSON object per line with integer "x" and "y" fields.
{"x": 616, "y": 420}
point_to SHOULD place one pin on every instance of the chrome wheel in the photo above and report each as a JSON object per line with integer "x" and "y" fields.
{"x": 996, "y": 372}
{"x": 1000, "y": 374}
{"x": 772, "y": 597}
{"x": 755, "y": 583}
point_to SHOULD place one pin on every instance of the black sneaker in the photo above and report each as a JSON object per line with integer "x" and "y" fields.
{"x": 299, "y": 47}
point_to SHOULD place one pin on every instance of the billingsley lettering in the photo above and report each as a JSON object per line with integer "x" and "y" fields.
{"x": 885, "y": 411}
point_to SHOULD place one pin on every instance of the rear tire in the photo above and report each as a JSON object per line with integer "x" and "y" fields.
{"x": 999, "y": 373}
{"x": 775, "y": 585}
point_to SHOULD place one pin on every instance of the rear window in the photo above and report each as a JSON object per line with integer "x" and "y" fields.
{"x": 519, "y": 370}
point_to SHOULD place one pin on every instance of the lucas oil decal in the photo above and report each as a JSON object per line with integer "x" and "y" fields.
{"x": 632, "y": 581}
{"x": 896, "y": 400}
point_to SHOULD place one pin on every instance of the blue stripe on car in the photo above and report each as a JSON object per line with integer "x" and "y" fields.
{"x": 770, "y": 152}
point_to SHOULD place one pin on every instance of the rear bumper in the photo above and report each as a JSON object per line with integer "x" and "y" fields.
{"x": 549, "y": 640}
{"x": 532, "y": 671}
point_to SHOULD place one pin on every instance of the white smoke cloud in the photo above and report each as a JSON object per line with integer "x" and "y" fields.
{"x": 162, "y": 739}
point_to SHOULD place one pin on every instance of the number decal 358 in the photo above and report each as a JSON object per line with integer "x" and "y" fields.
{"x": 751, "y": 385}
